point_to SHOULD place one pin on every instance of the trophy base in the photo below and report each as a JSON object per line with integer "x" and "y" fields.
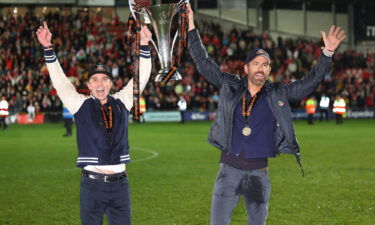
{"x": 163, "y": 73}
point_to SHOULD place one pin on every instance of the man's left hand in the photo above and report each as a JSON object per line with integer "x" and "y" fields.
{"x": 334, "y": 38}
{"x": 145, "y": 35}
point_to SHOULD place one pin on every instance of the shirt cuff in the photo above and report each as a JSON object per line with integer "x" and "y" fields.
{"x": 49, "y": 55}
{"x": 145, "y": 51}
{"x": 327, "y": 52}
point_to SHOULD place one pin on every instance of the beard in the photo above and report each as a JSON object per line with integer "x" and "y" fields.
{"x": 257, "y": 81}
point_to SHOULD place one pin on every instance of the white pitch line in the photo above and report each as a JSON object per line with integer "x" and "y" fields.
{"x": 154, "y": 154}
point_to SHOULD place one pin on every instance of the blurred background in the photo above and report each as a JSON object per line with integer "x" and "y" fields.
{"x": 173, "y": 168}
{"x": 86, "y": 32}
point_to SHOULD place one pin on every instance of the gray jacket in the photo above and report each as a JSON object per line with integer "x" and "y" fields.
{"x": 232, "y": 88}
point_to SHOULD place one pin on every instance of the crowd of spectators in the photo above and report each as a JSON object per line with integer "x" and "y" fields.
{"x": 81, "y": 41}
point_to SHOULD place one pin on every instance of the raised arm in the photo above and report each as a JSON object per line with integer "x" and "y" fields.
{"x": 126, "y": 94}
{"x": 303, "y": 87}
{"x": 65, "y": 89}
{"x": 205, "y": 65}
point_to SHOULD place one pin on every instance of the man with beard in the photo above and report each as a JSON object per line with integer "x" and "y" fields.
{"x": 102, "y": 132}
{"x": 253, "y": 123}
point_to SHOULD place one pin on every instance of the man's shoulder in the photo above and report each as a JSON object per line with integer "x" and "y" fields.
{"x": 116, "y": 101}
{"x": 269, "y": 85}
{"x": 87, "y": 103}
{"x": 275, "y": 88}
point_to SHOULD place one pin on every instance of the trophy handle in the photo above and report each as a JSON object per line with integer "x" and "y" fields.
{"x": 174, "y": 40}
{"x": 131, "y": 5}
{"x": 133, "y": 12}
{"x": 179, "y": 5}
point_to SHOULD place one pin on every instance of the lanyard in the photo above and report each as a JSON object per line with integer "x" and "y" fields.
{"x": 108, "y": 119}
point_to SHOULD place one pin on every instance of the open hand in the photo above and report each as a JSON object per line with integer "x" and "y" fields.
{"x": 334, "y": 38}
{"x": 145, "y": 35}
{"x": 44, "y": 35}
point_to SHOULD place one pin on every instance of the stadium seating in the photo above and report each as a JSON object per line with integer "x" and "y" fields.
{"x": 81, "y": 41}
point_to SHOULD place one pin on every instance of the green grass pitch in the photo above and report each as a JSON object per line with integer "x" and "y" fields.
{"x": 173, "y": 174}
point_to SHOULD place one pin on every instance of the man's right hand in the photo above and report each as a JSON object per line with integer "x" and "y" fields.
{"x": 44, "y": 35}
{"x": 191, "y": 18}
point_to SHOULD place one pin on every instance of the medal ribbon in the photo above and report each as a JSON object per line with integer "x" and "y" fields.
{"x": 134, "y": 28}
{"x": 246, "y": 113}
{"x": 108, "y": 124}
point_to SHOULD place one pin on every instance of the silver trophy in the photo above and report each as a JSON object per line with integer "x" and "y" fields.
{"x": 160, "y": 17}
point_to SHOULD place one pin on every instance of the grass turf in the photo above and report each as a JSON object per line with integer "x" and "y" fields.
{"x": 173, "y": 174}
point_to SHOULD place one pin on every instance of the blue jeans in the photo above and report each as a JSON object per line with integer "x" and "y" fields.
{"x": 231, "y": 183}
{"x": 99, "y": 197}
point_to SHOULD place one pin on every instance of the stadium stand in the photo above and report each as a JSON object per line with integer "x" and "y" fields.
{"x": 81, "y": 41}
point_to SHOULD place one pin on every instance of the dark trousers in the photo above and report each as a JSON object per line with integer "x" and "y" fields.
{"x": 182, "y": 116}
{"x": 231, "y": 183}
{"x": 3, "y": 123}
{"x": 323, "y": 113}
{"x": 68, "y": 123}
{"x": 338, "y": 118}
{"x": 99, "y": 197}
{"x": 310, "y": 118}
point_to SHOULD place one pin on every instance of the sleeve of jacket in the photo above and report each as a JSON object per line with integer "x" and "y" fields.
{"x": 305, "y": 86}
{"x": 145, "y": 66}
{"x": 205, "y": 65}
{"x": 65, "y": 89}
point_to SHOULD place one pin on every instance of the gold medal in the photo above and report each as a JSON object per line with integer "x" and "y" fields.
{"x": 246, "y": 131}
